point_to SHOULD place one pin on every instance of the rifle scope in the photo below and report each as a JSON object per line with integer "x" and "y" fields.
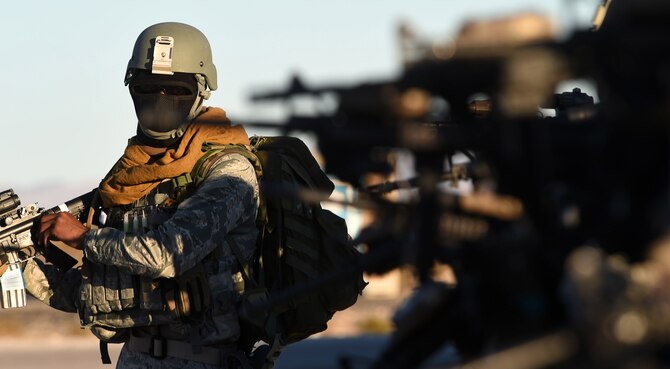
{"x": 8, "y": 201}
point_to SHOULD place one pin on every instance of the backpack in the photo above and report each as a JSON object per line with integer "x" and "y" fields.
{"x": 299, "y": 243}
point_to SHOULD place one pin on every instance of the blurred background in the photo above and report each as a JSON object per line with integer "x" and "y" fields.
{"x": 67, "y": 115}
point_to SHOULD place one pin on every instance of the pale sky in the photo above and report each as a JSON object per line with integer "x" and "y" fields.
{"x": 66, "y": 114}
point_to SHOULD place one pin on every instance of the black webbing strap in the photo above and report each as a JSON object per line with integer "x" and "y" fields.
{"x": 160, "y": 348}
{"x": 244, "y": 266}
{"x": 104, "y": 353}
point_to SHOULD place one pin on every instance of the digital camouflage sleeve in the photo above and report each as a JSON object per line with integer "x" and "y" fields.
{"x": 47, "y": 284}
{"x": 225, "y": 204}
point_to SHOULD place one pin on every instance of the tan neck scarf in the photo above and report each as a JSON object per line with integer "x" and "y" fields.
{"x": 136, "y": 173}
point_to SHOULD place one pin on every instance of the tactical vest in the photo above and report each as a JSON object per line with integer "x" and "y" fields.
{"x": 112, "y": 301}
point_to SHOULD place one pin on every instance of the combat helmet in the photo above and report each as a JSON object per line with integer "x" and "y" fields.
{"x": 172, "y": 51}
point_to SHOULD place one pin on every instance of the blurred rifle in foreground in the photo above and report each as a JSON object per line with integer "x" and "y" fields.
{"x": 17, "y": 225}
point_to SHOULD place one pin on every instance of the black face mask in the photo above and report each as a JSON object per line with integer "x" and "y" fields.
{"x": 163, "y": 103}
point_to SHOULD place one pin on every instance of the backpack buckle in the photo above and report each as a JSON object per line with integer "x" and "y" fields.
{"x": 157, "y": 347}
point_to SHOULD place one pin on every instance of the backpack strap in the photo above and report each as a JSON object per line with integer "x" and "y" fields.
{"x": 214, "y": 151}
{"x": 254, "y": 288}
{"x": 198, "y": 174}
{"x": 245, "y": 268}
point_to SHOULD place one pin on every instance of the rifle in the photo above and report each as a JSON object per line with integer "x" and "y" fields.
{"x": 18, "y": 243}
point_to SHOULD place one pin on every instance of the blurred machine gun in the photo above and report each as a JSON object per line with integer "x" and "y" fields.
{"x": 593, "y": 175}
{"x": 17, "y": 226}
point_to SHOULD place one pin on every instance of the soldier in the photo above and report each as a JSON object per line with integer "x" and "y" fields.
{"x": 160, "y": 273}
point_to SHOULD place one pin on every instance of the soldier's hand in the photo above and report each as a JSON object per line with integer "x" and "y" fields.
{"x": 61, "y": 227}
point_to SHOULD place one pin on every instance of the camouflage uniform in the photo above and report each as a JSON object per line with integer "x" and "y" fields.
{"x": 224, "y": 205}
